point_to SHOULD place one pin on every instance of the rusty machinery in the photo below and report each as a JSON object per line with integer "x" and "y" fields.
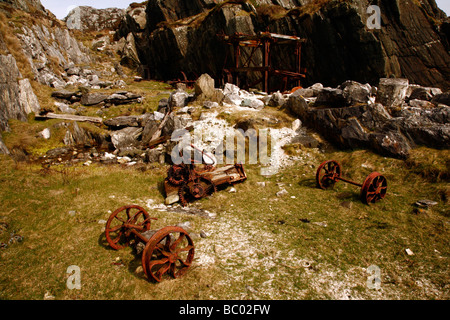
{"x": 373, "y": 188}
{"x": 168, "y": 251}
{"x": 193, "y": 181}
{"x": 261, "y": 43}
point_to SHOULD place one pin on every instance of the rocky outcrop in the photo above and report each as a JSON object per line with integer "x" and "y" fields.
{"x": 340, "y": 46}
{"x": 392, "y": 129}
{"x": 26, "y": 5}
{"x": 17, "y": 98}
{"x": 86, "y": 18}
{"x": 50, "y": 49}
{"x": 130, "y": 35}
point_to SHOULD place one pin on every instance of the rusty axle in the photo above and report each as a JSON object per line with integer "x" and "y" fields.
{"x": 372, "y": 190}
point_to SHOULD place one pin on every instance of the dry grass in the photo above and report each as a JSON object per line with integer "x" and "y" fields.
{"x": 259, "y": 246}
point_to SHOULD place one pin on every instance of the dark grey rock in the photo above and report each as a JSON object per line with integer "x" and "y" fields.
{"x": 90, "y": 99}
{"x": 392, "y": 92}
{"x": 443, "y": 98}
{"x": 125, "y": 138}
{"x": 122, "y": 121}
{"x": 63, "y": 94}
{"x": 355, "y": 92}
{"x": 330, "y": 97}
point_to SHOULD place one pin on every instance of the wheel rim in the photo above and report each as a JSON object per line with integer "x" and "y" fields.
{"x": 170, "y": 251}
{"x": 374, "y": 188}
{"x": 117, "y": 235}
{"x": 328, "y": 174}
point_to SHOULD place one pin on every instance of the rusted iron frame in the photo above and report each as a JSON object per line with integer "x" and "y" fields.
{"x": 263, "y": 40}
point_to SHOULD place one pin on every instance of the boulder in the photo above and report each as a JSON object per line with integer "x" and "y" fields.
{"x": 176, "y": 122}
{"x": 422, "y": 93}
{"x": 163, "y": 105}
{"x": 355, "y": 92}
{"x": 64, "y": 108}
{"x": 178, "y": 99}
{"x": 156, "y": 155}
{"x": 122, "y": 121}
{"x": 86, "y": 18}
{"x": 304, "y": 92}
{"x": 151, "y": 127}
{"x": 90, "y": 99}
{"x": 277, "y": 99}
{"x": 231, "y": 94}
{"x": 17, "y": 98}
{"x": 254, "y": 103}
{"x": 204, "y": 88}
{"x": 298, "y": 106}
{"x": 45, "y": 134}
{"x": 77, "y": 136}
{"x": 330, "y": 97}
{"x": 126, "y": 138}
{"x": 416, "y": 103}
{"x": 392, "y": 92}
{"x": 63, "y": 94}
{"x": 443, "y": 98}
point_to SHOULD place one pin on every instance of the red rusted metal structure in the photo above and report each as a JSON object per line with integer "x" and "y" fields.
{"x": 168, "y": 251}
{"x": 373, "y": 188}
{"x": 261, "y": 42}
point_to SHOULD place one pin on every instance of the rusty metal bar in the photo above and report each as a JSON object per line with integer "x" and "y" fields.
{"x": 349, "y": 181}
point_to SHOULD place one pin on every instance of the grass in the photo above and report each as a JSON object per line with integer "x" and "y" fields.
{"x": 263, "y": 247}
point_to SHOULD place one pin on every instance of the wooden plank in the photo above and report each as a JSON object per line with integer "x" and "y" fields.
{"x": 70, "y": 117}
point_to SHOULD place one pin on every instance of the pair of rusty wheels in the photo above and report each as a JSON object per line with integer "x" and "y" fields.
{"x": 168, "y": 252}
{"x": 373, "y": 188}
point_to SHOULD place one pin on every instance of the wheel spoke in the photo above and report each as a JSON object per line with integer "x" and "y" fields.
{"x": 178, "y": 241}
{"x": 370, "y": 198}
{"x": 184, "y": 249}
{"x": 162, "y": 270}
{"x": 116, "y": 240}
{"x": 157, "y": 262}
{"x": 120, "y": 219}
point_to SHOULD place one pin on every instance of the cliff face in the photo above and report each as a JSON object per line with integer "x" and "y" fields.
{"x": 35, "y": 48}
{"x": 181, "y": 35}
{"x": 26, "y": 5}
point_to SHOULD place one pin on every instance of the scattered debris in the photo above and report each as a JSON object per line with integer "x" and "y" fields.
{"x": 409, "y": 252}
{"x": 425, "y": 203}
{"x": 282, "y": 193}
{"x": 72, "y": 213}
{"x": 322, "y": 224}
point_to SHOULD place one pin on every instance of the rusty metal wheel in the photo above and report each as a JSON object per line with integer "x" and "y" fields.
{"x": 194, "y": 190}
{"x": 118, "y": 226}
{"x": 170, "y": 251}
{"x": 328, "y": 174}
{"x": 374, "y": 188}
